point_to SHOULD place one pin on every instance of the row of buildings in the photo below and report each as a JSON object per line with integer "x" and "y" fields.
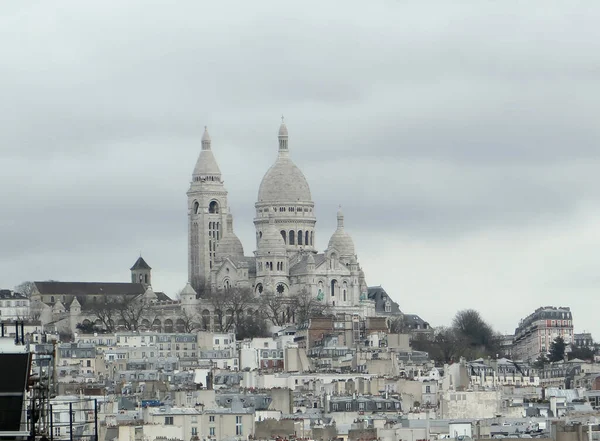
{"x": 209, "y": 386}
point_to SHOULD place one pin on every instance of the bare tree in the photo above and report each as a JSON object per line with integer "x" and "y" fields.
{"x": 107, "y": 311}
{"x": 229, "y": 306}
{"x": 131, "y": 312}
{"x": 26, "y": 288}
{"x": 273, "y": 307}
{"x": 190, "y": 321}
{"x": 125, "y": 311}
{"x": 305, "y": 306}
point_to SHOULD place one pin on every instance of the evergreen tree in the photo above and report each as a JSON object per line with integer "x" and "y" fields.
{"x": 557, "y": 349}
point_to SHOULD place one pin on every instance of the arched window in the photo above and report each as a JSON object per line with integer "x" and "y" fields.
{"x": 51, "y": 299}
{"x": 284, "y": 235}
{"x": 292, "y": 237}
{"x": 333, "y": 286}
{"x": 300, "y": 237}
{"x": 213, "y": 207}
{"x": 196, "y": 208}
{"x": 259, "y": 288}
{"x": 260, "y": 234}
{"x": 306, "y": 242}
{"x": 311, "y": 238}
{"x": 145, "y": 278}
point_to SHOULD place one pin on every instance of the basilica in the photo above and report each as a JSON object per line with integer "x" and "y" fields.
{"x": 284, "y": 263}
{"x": 285, "y": 260}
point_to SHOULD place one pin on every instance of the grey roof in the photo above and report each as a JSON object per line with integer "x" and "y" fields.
{"x": 83, "y": 291}
{"x": 378, "y": 294}
{"x": 140, "y": 264}
{"x": 7, "y": 294}
{"x": 89, "y": 288}
{"x": 300, "y": 266}
{"x": 413, "y": 321}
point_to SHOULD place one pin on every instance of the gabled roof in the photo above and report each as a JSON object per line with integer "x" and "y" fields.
{"x": 89, "y": 288}
{"x": 378, "y": 294}
{"x": 300, "y": 266}
{"x": 140, "y": 264}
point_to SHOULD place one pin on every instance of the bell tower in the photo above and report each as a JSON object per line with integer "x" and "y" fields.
{"x": 141, "y": 272}
{"x": 207, "y": 214}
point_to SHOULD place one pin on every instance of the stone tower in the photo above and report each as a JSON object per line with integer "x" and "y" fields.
{"x": 207, "y": 214}
{"x": 141, "y": 272}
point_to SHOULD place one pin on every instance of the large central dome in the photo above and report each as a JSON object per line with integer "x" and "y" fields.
{"x": 284, "y": 182}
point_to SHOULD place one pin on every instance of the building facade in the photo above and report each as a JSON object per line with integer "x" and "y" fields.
{"x": 13, "y": 306}
{"x": 536, "y": 332}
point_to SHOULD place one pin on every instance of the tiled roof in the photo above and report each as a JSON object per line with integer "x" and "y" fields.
{"x": 378, "y": 294}
{"x": 300, "y": 266}
{"x": 140, "y": 264}
{"x": 89, "y": 288}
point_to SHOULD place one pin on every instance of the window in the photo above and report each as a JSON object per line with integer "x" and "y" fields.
{"x": 292, "y": 237}
{"x": 284, "y": 235}
{"x": 300, "y": 237}
{"x": 211, "y": 419}
{"x": 89, "y": 363}
{"x": 169, "y": 421}
{"x": 194, "y": 431}
{"x": 427, "y": 389}
{"x": 216, "y": 341}
{"x": 361, "y": 406}
{"x": 213, "y": 207}
{"x": 348, "y": 406}
{"x": 334, "y": 406}
{"x": 211, "y": 430}
{"x": 238, "y": 425}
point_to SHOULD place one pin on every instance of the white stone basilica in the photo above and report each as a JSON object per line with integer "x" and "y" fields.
{"x": 285, "y": 260}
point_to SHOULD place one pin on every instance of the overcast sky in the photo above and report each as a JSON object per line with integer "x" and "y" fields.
{"x": 461, "y": 139}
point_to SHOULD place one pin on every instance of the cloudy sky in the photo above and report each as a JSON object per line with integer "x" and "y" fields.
{"x": 461, "y": 139}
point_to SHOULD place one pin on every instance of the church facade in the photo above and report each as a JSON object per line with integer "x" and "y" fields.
{"x": 285, "y": 260}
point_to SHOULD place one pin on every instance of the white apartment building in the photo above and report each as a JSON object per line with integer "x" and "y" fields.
{"x": 536, "y": 332}
{"x": 13, "y": 306}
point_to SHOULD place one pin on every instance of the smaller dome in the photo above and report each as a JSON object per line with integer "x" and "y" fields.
{"x": 271, "y": 240}
{"x": 229, "y": 245}
{"x": 340, "y": 240}
{"x": 188, "y": 290}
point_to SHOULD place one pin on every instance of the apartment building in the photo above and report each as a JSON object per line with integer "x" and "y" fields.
{"x": 536, "y": 332}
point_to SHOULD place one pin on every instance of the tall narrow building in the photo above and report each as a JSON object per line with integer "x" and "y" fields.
{"x": 207, "y": 214}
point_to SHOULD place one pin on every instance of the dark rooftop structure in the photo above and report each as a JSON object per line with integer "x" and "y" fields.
{"x": 7, "y": 294}
{"x": 383, "y": 303}
{"x": 88, "y": 293}
{"x": 140, "y": 264}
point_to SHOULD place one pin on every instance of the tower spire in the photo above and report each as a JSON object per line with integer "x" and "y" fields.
{"x": 283, "y": 138}
{"x": 340, "y": 218}
{"x": 205, "y": 139}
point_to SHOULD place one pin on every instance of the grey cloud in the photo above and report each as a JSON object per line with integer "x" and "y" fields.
{"x": 442, "y": 126}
